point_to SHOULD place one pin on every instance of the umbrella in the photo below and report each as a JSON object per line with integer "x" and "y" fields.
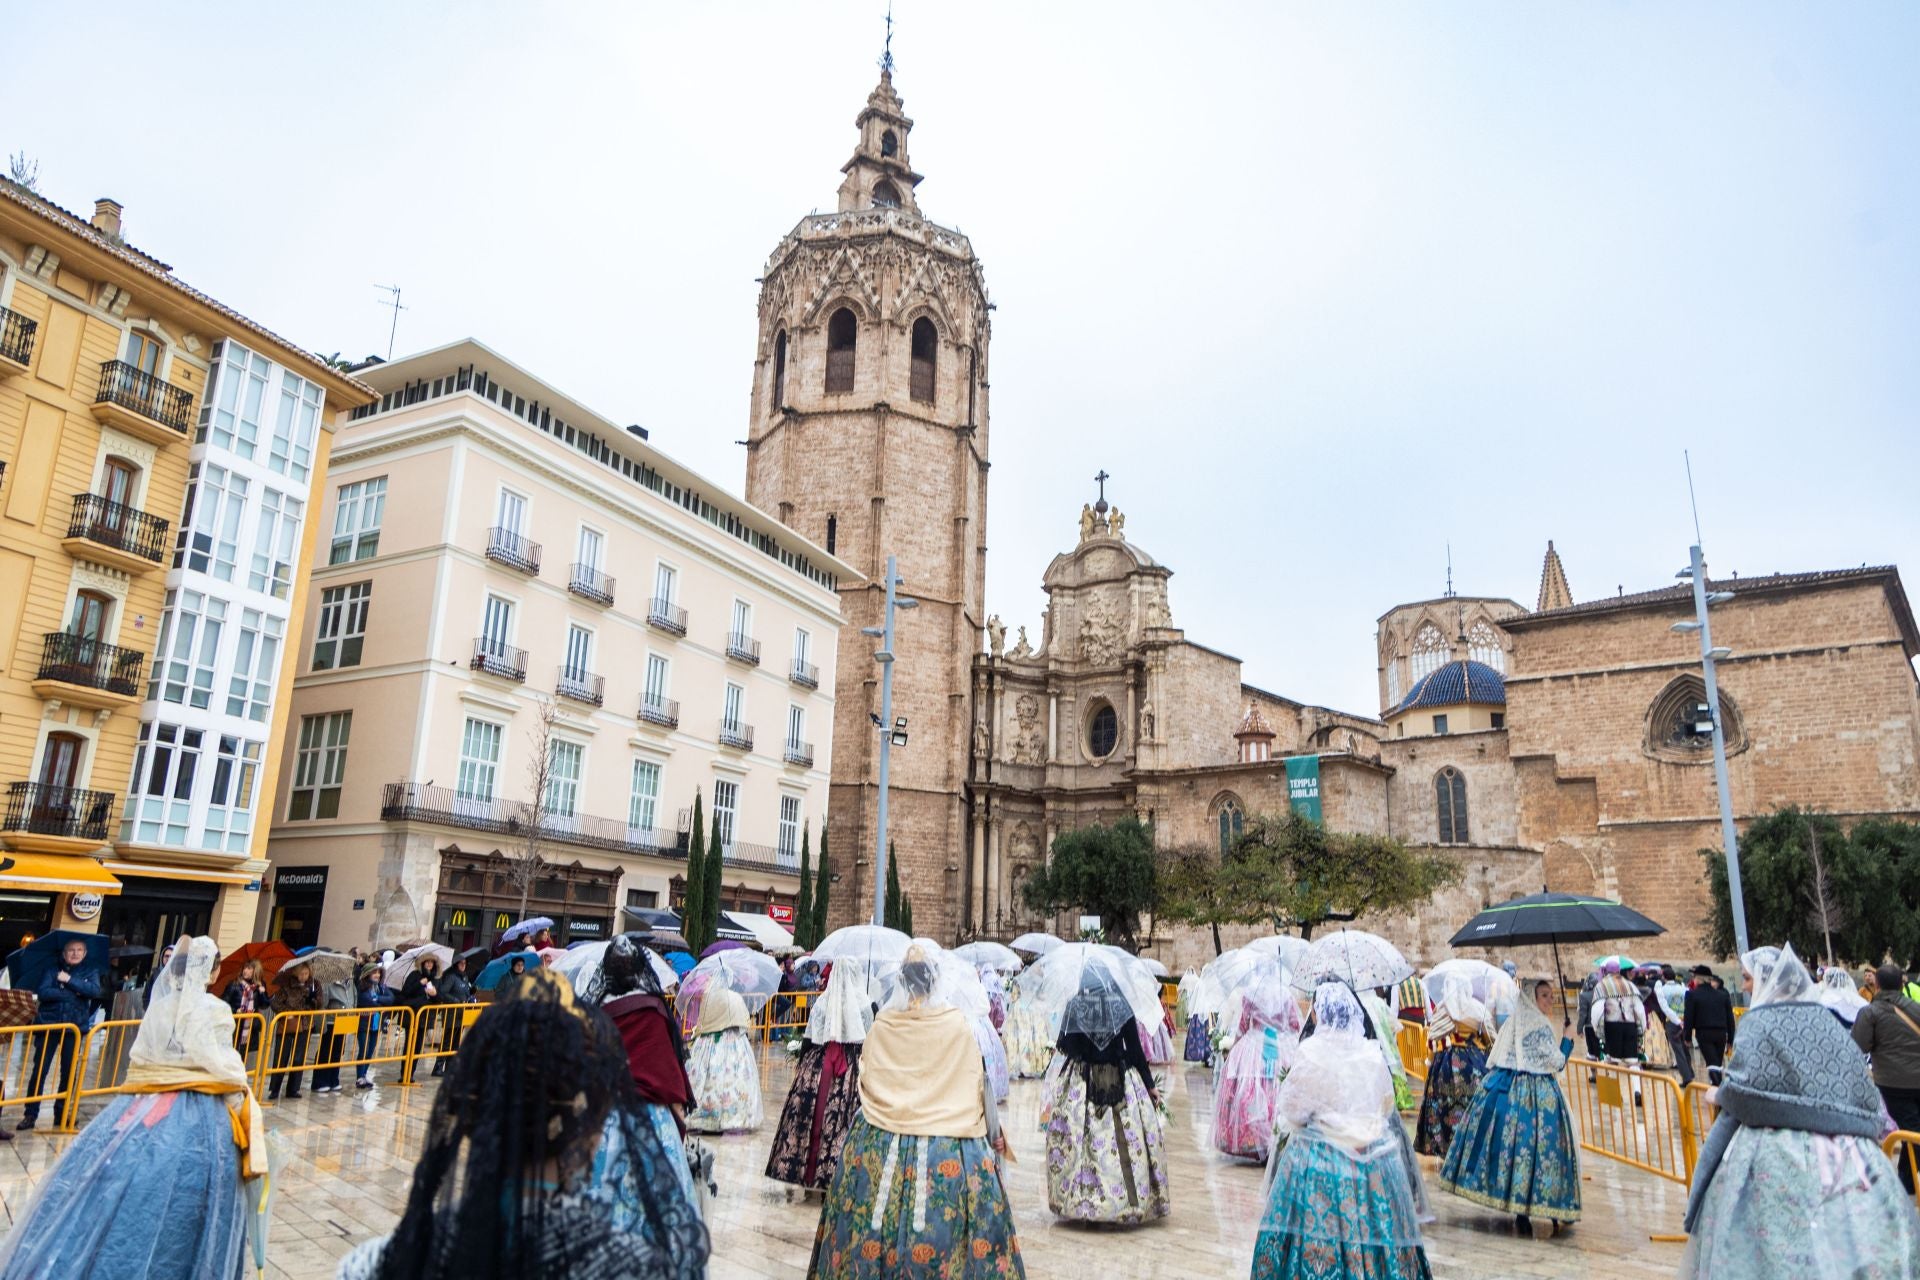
{"x": 874, "y": 945}
{"x": 994, "y": 955}
{"x": 476, "y": 958}
{"x": 1290, "y": 949}
{"x": 661, "y": 940}
{"x": 1362, "y": 960}
{"x": 271, "y": 955}
{"x": 33, "y": 962}
{"x": 680, "y": 960}
{"x": 527, "y": 928}
{"x": 405, "y": 963}
{"x": 580, "y": 965}
{"x": 550, "y": 954}
{"x": 1487, "y": 983}
{"x": 1036, "y": 944}
{"x": 725, "y": 944}
{"x": 752, "y": 976}
{"x": 1627, "y": 964}
{"x": 1154, "y": 967}
{"x": 496, "y": 970}
{"x": 328, "y": 967}
{"x": 1238, "y": 971}
{"x": 1056, "y": 977}
{"x": 128, "y": 953}
{"x": 1553, "y": 918}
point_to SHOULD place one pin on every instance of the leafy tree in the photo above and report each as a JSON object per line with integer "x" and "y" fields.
{"x": 890, "y": 911}
{"x": 1290, "y": 871}
{"x": 822, "y": 881}
{"x": 710, "y": 896}
{"x": 906, "y": 915}
{"x": 1103, "y": 870}
{"x": 1191, "y": 888}
{"x": 1890, "y": 912}
{"x": 1805, "y": 881}
{"x": 803, "y": 909}
{"x": 691, "y": 915}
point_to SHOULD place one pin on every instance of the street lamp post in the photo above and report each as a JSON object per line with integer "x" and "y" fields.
{"x": 892, "y": 732}
{"x": 1709, "y": 655}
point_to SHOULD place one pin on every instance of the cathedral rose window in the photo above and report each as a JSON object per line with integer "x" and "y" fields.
{"x": 1103, "y": 732}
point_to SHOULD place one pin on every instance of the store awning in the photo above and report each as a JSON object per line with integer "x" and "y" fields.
{"x": 766, "y": 930}
{"x": 206, "y": 875}
{"x": 55, "y": 873}
{"x": 732, "y": 930}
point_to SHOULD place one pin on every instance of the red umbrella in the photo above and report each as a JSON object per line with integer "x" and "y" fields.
{"x": 271, "y": 955}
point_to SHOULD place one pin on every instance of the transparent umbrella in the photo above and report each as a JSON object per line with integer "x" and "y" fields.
{"x": 1036, "y": 944}
{"x": 1290, "y": 949}
{"x": 994, "y": 955}
{"x": 404, "y": 964}
{"x": 873, "y": 945}
{"x": 1361, "y": 959}
{"x": 751, "y": 975}
{"x": 1057, "y": 977}
{"x": 582, "y": 965}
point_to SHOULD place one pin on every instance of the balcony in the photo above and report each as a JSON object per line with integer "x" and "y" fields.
{"x": 497, "y": 658}
{"x": 504, "y": 546}
{"x": 16, "y": 342}
{"x": 742, "y": 647}
{"x": 804, "y": 673}
{"x": 664, "y": 712}
{"x": 414, "y": 802}
{"x": 140, "y": 404}
{"x": 589, "y": 583}
{"x": 44, "y": 819}
{"x": 800, "y": 753}
{"x": 80, "y": 671}
{"x": 581, "y": 686}
{"x": 666, "y": 616}
{"x": 736, "y": 735}
{"x": 118, "y": 536}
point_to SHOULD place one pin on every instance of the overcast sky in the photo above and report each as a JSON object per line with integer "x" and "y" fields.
{"x": 1325, "y": 287}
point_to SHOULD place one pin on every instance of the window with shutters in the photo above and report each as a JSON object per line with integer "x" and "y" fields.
{"x": 644, "y": 799}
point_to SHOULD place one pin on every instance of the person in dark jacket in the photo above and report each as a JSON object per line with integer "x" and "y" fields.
{"x": 455, "y": 988}
{"x": 1707, "y": 1020}
{"x": 247, "y": 994}
{"x": 1888, "y": 1030}
{"x": 374, "y": 994}
{"x": 421, "y": 989}
{"x": 295, "y": 991}
{"x": 67, "y": 997}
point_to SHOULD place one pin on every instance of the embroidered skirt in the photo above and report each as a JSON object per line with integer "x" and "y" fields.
{"x": 1452, "y": 1078}
{"x": 819, "y": 1111}
{"x": 1330, "y": 1216}
{"x": 915, "y": 1208}
{"x": 1106, "y": 1164}
{"x": 1244, "y": 1096}
{"x": 726, "y": 1083}
{"x": 1199, "y": 1046}
{"x": 1028, "y": 1044}
{"x": 1514, "y": 1149}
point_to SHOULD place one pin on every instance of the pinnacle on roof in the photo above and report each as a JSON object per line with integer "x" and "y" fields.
{"x": 1253, "y": 724}
{"x": 1554, "y": 592}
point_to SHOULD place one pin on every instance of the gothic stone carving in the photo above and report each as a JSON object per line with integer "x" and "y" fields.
{"x": 1027, "y": 743}
{"x": 1101, "y": 636}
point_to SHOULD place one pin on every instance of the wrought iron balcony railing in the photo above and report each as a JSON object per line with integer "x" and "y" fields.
{"x": 90, "y": 663}
{"x": 16, "y": 337}
{"x": 800, "y": 753}
{"x": 146, "y": 395}
{"x": 589, "y": 583}
{"x": 664, "y": 712}
{"x": 513, "y": 550}
{"x": 497, "y": 658}
{"x": 667, "y": 616}
{"x": 805, "y": 673}
{"x": 742, "y": 647}
{"x": 581, "y": 686}
{"x": 734, "y": 734}
{"x": 58, "y": 811}
{"x": 121, "y": 527}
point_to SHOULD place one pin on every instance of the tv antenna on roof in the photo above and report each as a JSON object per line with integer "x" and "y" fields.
{"x": 393, "y": 289}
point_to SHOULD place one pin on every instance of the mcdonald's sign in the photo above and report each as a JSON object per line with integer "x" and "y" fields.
{"x": 458, "y": 920}
{"x": 502, "y": 921}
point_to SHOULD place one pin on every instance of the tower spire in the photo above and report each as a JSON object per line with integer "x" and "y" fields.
{"x": 886, "y": 50}
{"x": 1554, "y": 592}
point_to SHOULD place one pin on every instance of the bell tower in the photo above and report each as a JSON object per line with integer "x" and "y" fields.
{"x": 868, "y": 435}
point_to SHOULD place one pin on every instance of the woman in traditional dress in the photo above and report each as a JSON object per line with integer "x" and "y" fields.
{"x": 1105, "y": 1155}
{"x": 826, "y": 1083}
{"x": 186, "y": 1131}
{"x": 1837, "y": 993}
{"x": 1386, "y": 1034}
{"x": 1791, "y": 1181}
{"x": 918, "y": 1194}
{"x": 1199, "y": 1045}
{"x": 993, "y": 1051}
{"x": 1465, "y": 1029}
{"x": 721, "y": 1065}
{"x": 1339, "y": 1196}
{"x": 1028, "y": 1033}
{"x": 539, "y": 1161}
{"x": 1514, "y": 1150}
{"x": 1256, "y": 1063}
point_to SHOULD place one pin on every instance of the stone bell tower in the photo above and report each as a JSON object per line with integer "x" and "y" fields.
{"x": 868, "y": 435}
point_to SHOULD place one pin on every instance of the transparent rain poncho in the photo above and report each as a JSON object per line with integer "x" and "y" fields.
{"x": 1837, "y": 992}
{"x": 1778, "y": 975}
{"x": 844, "y": 1011}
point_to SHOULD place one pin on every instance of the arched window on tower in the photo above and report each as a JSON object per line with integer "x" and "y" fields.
{"x": 1232, "y": 821}
{"x": 1680, "y": 728}
{"x": 885, "y": 195}
{"x": 1393, "y": 680}
{"x": 842, "y": 332}
{"x": 1450, "y": 805}
{"x": 1429, "y": 651}
{"x": 926, "y": 346}
{"x": 779, "y": 370}
{"x": 1483, "y": 645}
{"x": 889, "y": 144}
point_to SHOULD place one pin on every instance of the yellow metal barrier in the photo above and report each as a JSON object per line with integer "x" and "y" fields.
{"x": 1906, "y": 1142}
{"x": 436, "y": 1034}
{"x": 40, "y": 1049}
{"x": 103, "y": 1061}
{"x": 336, "y": 1038}
{"x": 1415, "y": 1052}
{"x": 785, "y": 1016}
{"x": 1636, "y": 1117}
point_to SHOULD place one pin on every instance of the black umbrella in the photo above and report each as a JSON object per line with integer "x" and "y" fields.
{"x": 1554, "y": 918}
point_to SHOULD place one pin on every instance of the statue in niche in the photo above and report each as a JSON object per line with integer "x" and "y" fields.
{"x": 1116, "y": 522}
{"x": 996, "y": 635}
{"x": 1028, "y": 743}
{"x": 1146, "y": 722}
{"x": 1021, "y": 648}
{"x": 982, "y": 740}
{"x": 1086, "y": 521}
{"x": 1158, "y": 615}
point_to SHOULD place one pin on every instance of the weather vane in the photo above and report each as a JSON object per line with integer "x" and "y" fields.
{"x": 886, "y": 53}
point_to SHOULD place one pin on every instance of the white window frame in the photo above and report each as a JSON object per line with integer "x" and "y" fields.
{"x": 582, "y": 670}
{"x": 561, "y": 800}
{"x": 276, "y": 543}
{"x": 358, "y": 512}
{"x": 668, "y": 573}
{"x": 511, "y": 610}
{"x": 295, "y": 425}
{"x": 802, "y": 647}
{"x": 342, "y": 622}
{"x": 219, "y": 497}
{"x": 598, "y": 539}
{"x": 256, "y": 665}
{"x": 742, "y": 618}
{"x": 481, "y": 743}
{"x": 788, "y": 841}
{"x": 234, "y": 423}
{"x": 643, "y": 797}
{"x": 188, "y": 653}
{"x": 166, "y": 767}
{"x": 665, "y": 691}
{"x": 733, "y": 706}
{"x": 320, "y": 765}
{"x": 232, "y": 792}
{"x": 796, "y": 726}
{"x": 725, "y": 815}
{"x": 519, "y": 527}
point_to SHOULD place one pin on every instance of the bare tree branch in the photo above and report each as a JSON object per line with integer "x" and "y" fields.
{"x": 534, "y": 819}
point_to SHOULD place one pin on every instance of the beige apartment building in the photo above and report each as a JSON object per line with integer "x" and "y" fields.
{"x": 512, "y": 579}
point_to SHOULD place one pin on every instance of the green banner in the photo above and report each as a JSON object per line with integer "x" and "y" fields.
{"x": 1303, "y": 785}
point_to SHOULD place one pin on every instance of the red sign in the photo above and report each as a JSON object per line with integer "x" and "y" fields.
{"x": 780, "y": 914}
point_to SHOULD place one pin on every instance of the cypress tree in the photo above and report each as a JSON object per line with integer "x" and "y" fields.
{"x": 822, "y": 879}
{"x": 906, "y": 915}
{"x": 803, "y": 910}
{"x": 710, "y": 897}
{"x": 890, "y": 912}
{"x": 691, "y": 914}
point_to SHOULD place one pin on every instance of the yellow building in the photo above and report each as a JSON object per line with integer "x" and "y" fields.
{"x": 158, "y": 453}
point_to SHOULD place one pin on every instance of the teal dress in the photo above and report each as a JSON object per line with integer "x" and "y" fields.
{"x": 1514, "y": 1151}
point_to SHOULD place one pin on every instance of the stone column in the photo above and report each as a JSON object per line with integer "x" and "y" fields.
{"x": 991, "y": 900}
{"x": 980, "y": 920}
{"x": 1053, "y": 728}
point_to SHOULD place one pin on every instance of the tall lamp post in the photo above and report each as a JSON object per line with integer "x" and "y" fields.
{"x": 893, "y": 733}
{"x": 1709, "y": 655}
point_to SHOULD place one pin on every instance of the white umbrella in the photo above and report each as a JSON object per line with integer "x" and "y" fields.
{"x": 1487, "y": 983}
{"x": 873, "y": 945}
{"x": 751, "y": 975}
{"x": 1290, "y": 949}
{"x": 407, "y": 962}
{"x": 1154, "y": 967}
{"x": 994, "y": 955}
{"x": 1361, "y": 959}
{"x": 582, "y": 965}
{"x": 1036, "y": 944}
{"x": 1055, "y": 979}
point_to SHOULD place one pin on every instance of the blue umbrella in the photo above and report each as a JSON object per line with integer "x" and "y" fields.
{"x": 496, "y": 970}
{"x": 303, "y": 951}
{"x": 527, "y": 928}
{"x": 682, "y": 962}
{"x": 33, "y": 962}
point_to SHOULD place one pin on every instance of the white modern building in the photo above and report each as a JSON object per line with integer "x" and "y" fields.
{"x": 514, "y": 581}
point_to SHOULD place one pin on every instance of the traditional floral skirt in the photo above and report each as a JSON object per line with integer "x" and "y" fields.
{"x": 726, "y": 1083}
{"x": 1514, "y": 1149}
{"x": 1452, "y": 1077}
{"x": 1244, "y": 1095}
{"x": 1810, "y": 1206}
{"x": 1332, "y": 1216}
{"x": 1199, "y": 1039}
{"x": 1106, "y": 1164}
{"x": 914, "y": 1208}
{"x": 1157, "y": 1041}
{"x": 111, "y": 1208}
{"x": 1028, "y": 1041}
{"x": 814, "y": 1123}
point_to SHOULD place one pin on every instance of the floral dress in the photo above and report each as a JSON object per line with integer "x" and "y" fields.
{"x": 726, "y": 1083}
{"x": 820, "y": 1109}
{"x": 1452, "y": 1078}
{"x": 1106, "y": 1160}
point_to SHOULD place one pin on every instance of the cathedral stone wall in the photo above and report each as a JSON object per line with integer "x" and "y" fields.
{"x": 1492, "y": 813}
{"x": 1197, "y": 705}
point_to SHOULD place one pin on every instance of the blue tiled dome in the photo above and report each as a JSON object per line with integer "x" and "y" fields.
{"x": 1460, "y": 681}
